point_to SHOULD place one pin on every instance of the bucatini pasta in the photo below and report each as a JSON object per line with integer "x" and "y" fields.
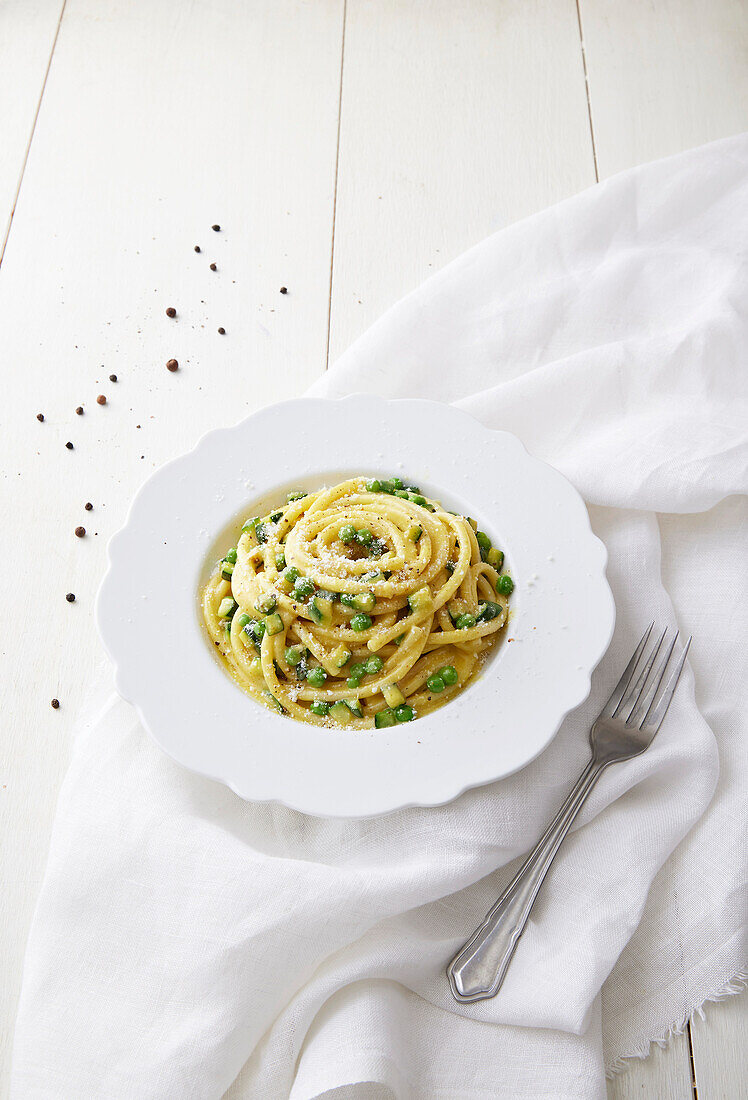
{"x": 362, "y": 605}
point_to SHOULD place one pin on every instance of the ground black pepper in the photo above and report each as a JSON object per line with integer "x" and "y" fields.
{"x": 222, "y": 331}
{"x": 170, "y": 311}
{"x": 69, "y": 445}
{"x": 171, "y": 365}
{"x": 80, "y": 532}
{"x": 101, "y": 400}
{"x": 55, "y": 704}
{"x": 40, "y": 417}
{"x": 70, "y": 597}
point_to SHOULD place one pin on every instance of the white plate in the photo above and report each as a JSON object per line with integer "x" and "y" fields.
{"x": 149, "y": 618}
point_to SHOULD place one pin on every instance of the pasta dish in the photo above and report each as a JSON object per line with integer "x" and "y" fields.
{"x": 364, "y": 605}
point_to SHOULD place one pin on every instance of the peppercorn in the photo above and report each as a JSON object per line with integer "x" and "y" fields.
{"x": 79, "y": 410}
{"x": 284, "y": 290}
{"x": 88, "y": 506}
{"x": 40, "y": 417}
{"x": 55, "y": 704}
{"x": 112, "y": 377}
{"x": 80, "y": 532}
{"x": 101, "y": 400}
{"x": 171, "y": 365}
{"x": 170, "y": 311}
{"x": 197, "y": 248}
{"x": 215, "y": 228}
{"x": 70, "y": 597}
{"x": 69, "y": 445}
{"x": 213, "y": 267}
{"x": 222, "y": 331}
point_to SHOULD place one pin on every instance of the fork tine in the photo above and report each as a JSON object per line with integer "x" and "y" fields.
{"x": 619, "y": 690}
{"x": 653, "y": 718}
{"x": 644, "y": 702}
{"x": 632, "y": 696}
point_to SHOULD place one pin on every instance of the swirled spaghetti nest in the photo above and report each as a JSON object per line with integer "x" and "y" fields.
{"x": 362, "y": 604}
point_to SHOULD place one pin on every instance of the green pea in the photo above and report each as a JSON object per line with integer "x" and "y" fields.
{"x": 387, "y": 486}
{"x": 397, "y": 482}
{"x": 374, "y": 486}
{"x": 242, "y": 621}
{"x": 360, "y": 622}
{"x": 364, "y": 536}
{"x": 448, "y": 675}
{"x": 267, "y": 603}
{"x": 303, "y": 588}
{"x": 435, "y": 684}
{"x": 505, "y": 585}
{"x": 402, "y": 493}
{"x": 465, "y": 622}
{"x": 231, "y": 555}
{"x": 316, "y": 677}
{"x": 358, "y": 669}
{"x": 416, "y": 498}
{"x": 353, "y": 682}
{"x": 291, "y": 573}
{"x": 404, "y": 713}
{"x": 347, "y": 533}
{"x": 373, "y": 665}
{"x": 293, "y": 655}
{"x": 319, "y": 708}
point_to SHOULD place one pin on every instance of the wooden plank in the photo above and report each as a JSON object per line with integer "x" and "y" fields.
{"x": 720, "y": 1050}
{"x": 27, "y": 34}
{"x": 158, "y": 120}
{"x": 664, "y": 76}
{"x": 456, "y": 119}
{"x": 664, "y": 1075}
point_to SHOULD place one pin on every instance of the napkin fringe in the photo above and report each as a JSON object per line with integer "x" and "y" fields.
{"x": 737, "y": 984}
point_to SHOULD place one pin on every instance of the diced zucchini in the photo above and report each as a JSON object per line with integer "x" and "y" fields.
{"x": 450, "y": 567}
{"x": 227, "y": 570}
{"x": 393, "y": 697}
{"x": 495, "y": 558}
{"x": 274, "y": 624}
{"x": 260, "y": 532}
{"x": 340, "y": 713}
{"x": 340, "y": 656}
{"x": 355, "y": 708}
{"x": 484, "y": 544}
{"x": 363, "y": 601}
{"x": 298, "y": 494}
{"x": 384, "y": 718}
{"x": 320, "y": 610}
{"x": 399, "y": 639}
{"x": 414, "y": 532}
{"x": 275, "y": 517}
{"x": 255, "y": 668}
{"x": 280, "y": 560}
{"x": 421, "y": 601}
{"x": 227, "y": 607}
{"x": 275, "y": 703}
{"x": 267, "y": 603}
{"x": 472, "y": 523}
{"x": 250, "y": 524}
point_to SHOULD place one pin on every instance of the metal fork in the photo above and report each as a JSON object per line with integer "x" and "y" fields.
{"x": 625, "y": 727}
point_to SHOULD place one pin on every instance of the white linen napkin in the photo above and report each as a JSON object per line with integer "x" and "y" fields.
{"x": 183, "y": 937}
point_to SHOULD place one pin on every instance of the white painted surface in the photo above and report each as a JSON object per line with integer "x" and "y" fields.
{"x": 158, "y": 120}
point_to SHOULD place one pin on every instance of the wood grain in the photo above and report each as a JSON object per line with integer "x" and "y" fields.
{"x": 456, "y": 119}
{"x": 158, "y": 121}
{"x": 27, "y": 34}
{"x": 720, "y": 1049}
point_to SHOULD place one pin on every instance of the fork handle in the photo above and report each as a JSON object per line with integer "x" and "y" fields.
{"x": 478, "y": 969}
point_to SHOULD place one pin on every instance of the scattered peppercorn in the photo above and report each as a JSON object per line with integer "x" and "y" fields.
{"x": 55, "y": 704}
{"x": 171, "y": 365}
{"x": 101, "y": 400}
{"x": 79, "y": 410}
{"x": 170, "y": 311}
{"x": 222, "y": 332}
{"x": 80, "y": 532}
{"x": 215, "y": 228}
{"x": 284, "y": 290}
{"x": 70, "y": 597}
{"x": 88, "y": 505}
{"x": 112, "y": 377}
{"x": 213, "y": 267}
{"x": 40, "y": 417}
{"x": 197, "y": 248}
{"x": 69, "y": 445}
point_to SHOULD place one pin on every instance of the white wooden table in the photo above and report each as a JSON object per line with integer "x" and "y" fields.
{"x": 348, "y": 148}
